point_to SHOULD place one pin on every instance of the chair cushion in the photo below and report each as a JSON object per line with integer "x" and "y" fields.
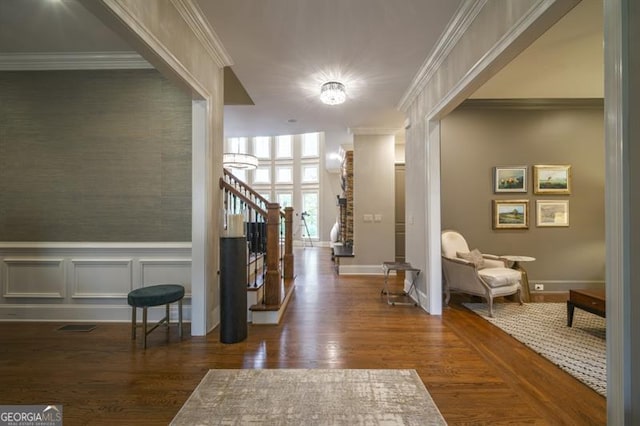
{"x": 155, "y": 295}
{"x": 499, "y": 277}
{"x": 474, "y": 256}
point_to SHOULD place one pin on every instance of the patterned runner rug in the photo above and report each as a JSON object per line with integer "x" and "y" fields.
{"x": 579, "y": 350}
{"x": 310, "y": 397}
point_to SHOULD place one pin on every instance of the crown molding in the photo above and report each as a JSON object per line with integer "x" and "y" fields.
{"x": 120, "y": 10}
{"x": 194, "y": 17}
{"x": 534, "y": 104}
{"x": 507, "y": 40}
{"x": 460, "y": 22}
{"x": 374, "y": 130}
{"x": 71, "y": 61}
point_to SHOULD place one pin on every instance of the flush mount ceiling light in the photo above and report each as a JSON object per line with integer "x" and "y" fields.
{"x": 240, "y": 161}
{"x": 333, "y": 93}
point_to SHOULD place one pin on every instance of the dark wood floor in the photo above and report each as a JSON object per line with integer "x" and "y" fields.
{"x": 475, "y": 373}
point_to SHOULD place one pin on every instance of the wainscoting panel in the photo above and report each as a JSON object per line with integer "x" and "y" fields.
{"x": 34, "y": 277}
{"x": 166, "y": 271}
{"x": 86, "y": 281}
{"x": 101, "y": 278}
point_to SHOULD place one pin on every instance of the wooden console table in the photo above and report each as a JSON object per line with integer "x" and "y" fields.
{"x": 588, "y": 300}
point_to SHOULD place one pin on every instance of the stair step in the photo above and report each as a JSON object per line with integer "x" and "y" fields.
{"x": 271, "y": 314}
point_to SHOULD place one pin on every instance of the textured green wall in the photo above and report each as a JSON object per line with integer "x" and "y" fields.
{"x": 94, "y": 156}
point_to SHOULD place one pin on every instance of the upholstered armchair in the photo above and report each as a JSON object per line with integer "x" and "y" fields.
{"x": 476, "y": 273}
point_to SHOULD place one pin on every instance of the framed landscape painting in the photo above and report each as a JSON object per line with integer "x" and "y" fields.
{"x": 510, "y": 179}
{"x": 552, "y": 213}
{"x": 510, "y": 214}
{"x": 552, "y": 179}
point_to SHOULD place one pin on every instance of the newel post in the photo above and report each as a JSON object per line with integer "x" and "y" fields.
{"x": 288, "y": 242}
{"x": 272, "y": 294}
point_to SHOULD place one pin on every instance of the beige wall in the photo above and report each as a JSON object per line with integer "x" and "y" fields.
{"x": 474, "y": 140}
{"x": 373, "y": 194}
{"x": 489, "y": 38}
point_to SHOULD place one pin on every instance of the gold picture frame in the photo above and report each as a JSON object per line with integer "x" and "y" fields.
{"x": 509, "y": 179}
{"x": 552, "y": 213}
{"x": 510, "y": 214}
{"x": 552, "y": 179}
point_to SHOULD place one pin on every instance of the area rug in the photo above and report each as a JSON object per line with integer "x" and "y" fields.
{"x": 579, "y": 350}
{"x": 310, "y": 397}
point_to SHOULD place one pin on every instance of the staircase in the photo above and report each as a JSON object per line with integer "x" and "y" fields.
{"x": 269, "y": 232}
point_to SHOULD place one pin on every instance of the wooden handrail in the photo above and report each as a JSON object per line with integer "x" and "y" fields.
{"x": 247, "y": 188}
{"x": 243, "y": 197}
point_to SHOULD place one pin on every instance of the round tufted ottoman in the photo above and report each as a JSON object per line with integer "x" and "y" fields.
{"x": 155, "y": 295}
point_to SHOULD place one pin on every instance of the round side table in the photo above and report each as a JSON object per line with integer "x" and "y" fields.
{"x": 526, "y": 294}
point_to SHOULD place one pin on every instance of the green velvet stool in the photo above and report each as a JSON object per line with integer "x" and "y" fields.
{"x": 155, "y": 295}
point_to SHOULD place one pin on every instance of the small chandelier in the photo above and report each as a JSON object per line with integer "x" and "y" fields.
{"x": 240, "y": 161}
{"x": 333, "y": 93}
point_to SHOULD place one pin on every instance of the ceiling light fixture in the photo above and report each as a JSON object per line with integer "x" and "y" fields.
{"x": 333, "y": 93}
{"x": 240, "y": 161}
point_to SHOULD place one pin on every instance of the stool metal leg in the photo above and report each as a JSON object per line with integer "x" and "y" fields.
{"x": 133, "y": 323}
{"x": 180, "y": 318}
{"x": 168, "y": 323}
{"x": 144, "y": 326}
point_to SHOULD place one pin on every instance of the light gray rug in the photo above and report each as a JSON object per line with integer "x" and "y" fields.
{"x": 579, "y": 350}
{"x": 310, "y": 397}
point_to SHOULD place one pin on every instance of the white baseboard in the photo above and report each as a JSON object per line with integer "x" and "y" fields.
{"x": 215, "y": 319}
{"x": 565, "y": 285}
{"x": 87, "y": 313}
{"x": 361, "y": 270}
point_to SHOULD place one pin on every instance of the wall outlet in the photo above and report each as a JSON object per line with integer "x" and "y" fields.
{"x": 538, "y": 287}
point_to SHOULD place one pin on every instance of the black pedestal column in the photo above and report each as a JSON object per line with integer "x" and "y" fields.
{"x": 233, "y": 289}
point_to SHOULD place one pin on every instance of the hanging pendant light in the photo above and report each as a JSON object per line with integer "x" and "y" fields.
{"x": 240, "y": 161}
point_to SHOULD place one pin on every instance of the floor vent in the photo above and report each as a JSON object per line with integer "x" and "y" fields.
{"x": 77, "y": 327}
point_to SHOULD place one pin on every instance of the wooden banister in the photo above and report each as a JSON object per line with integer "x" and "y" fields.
{"x": 227, "y": 186}
{"x": 288, "y": 243}
{"x": 272, "y": 294}
{"x": 240, "y": 197}
{"x": 234, "y": 179}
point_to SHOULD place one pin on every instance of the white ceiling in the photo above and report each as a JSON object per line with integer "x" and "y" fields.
{"x": 283, "y": 50}
{"x": 53, "y": 26}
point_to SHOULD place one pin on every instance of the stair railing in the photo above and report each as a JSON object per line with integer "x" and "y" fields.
{"x": 269, "y": 234}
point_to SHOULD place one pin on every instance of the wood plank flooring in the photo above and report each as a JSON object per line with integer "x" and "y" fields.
{"x": 476, "y": 374}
